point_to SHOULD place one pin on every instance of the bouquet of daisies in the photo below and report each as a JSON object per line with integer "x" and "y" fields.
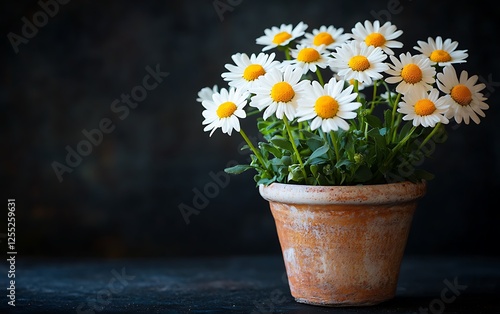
{"x": 343, "y": 108}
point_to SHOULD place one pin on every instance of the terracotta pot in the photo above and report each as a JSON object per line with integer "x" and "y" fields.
{"x": 343, "y": 245}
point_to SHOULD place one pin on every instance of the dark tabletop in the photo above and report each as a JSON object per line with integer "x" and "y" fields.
{"x": 244, "y": 284}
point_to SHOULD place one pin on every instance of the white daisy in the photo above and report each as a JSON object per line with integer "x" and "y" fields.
{"x": 275, "y": 36}
{"x": 378, "y": 36}
{"x": 278, "y": 91}
{"x": 389, "y": 96}
{"x": 224, "y": 109}
{"x": 308, "y": 58}
{"x": 355, "y": 60}
{"x": 442, "y": 53}
{"x": 425, "y": 109}
{"x": 206, "y": 93}
{"x": 463, "y": 95}
{"x": 361, "y": 85}
{"x": 247, "y": 70}
{"x": 330, "y": 37}
{"x": 328, "y": 106}
{"x": 412, "y": 73}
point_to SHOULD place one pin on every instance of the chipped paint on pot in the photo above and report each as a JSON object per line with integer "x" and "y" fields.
{"x": 343, "y": 245}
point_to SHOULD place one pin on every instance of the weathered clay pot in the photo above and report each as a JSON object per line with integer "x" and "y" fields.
{"x": 343, "y": 245}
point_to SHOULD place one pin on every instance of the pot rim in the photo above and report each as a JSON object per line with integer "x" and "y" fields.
{"x": 345, "y": 194}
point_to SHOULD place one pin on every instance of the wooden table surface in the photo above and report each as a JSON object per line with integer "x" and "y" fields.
{"x": 242, "y": 284}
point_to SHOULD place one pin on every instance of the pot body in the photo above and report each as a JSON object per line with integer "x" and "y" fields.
{"x": 343, "y": 245}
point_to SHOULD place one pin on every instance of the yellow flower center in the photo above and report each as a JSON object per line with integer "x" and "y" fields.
{"x": 375, "y": 39}
{"x": 253, "y": 71}
{"x": 323, "y": 38}
{"x": 411, "y": 73}
{"x": 461, "y": 94}
{"x": 440, "y": 56}
{"x": 308, "y": 55}
{"x": 359, "y": 63}
{"x": 424, "y": 107}
{"x": 282, "y": 92}
{"x": 226, "y": 109}
{"x": 326, "y": 107}
{"x": 281, "y": 37}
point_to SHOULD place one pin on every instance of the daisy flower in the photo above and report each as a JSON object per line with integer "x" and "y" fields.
{"x": 425, "y": 109}
{"x": 329, "y": 36}
{"x": 328, "y": 106}
{"x": 308, "y": 58}
{"x": 275, "y": 36}
{"x": 442, "y": 53}
{"x": 247, "y": 70}
{"x": 378, "y": 36}
{"x": 224, "y": 109}
{"x": 463, "y": 95}
{"x": 412, "y": 73}
{"x": 361, "y": 85}
{"x": 206, "y": 93}
{"x": 389, "y": 96}
{"x": 278, "y": 91}
{"x": 358, "y": 61}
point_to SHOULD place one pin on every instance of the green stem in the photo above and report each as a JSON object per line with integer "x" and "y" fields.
{"x": 374, "y": 96}
{"x": 361, "y": 109}
{"x": 400, "y": 144}
{"x": 320, "y": 77}
{"x": 436, "y": 128}
{"x": 253, "y": 112}
{"x": 290, "y": 136}
{"x": 394, "y": 127}
{"x": 356, "y": 88}
{"x": 325, "y": 139}
{"x": 301, "y": 127}
{"x": 254, "y": 150}
{"x": 287, "y": 53}
{"x": 335, "y": 145}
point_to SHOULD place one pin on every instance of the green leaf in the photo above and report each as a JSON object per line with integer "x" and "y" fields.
{"x": 404, "y": 130}
{"x": 295, "y": 173}
{"x": 282, "y": 143}
{"x": 377, "y": 137}
{"x": 373, "y": 121}
{"x": 343, "y": 162}
{"x": 314, "y": 143}
{"x": 286, "y": 160}
{"x": 314, "y": 170}
{"x": 271, "y": 149}
{"x": 264, "y": 181}
{"x": 363, "y": 174}
{"x": 238, "y": 169}
{"x": 319, "y": 152}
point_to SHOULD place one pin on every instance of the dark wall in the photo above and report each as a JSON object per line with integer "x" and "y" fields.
{"x": 123, "y": 198}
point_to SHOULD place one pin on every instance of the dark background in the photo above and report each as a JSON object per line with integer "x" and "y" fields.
{"x": 122, "y": 200}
